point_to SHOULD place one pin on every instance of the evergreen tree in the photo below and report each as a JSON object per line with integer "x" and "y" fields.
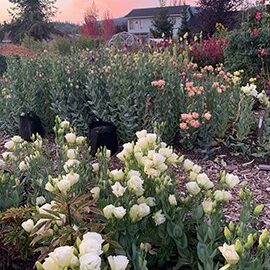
{"x": 183, "y": 29}
{"x": 162, "y": 24}
{"x": 31, "y": 18}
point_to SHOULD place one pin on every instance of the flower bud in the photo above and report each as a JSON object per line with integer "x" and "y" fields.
{"x": 227, "y": 234}
{"x": 238, "y": 247}
{"x": 264, "y": 238}
{"x": 250, "y": 242}
{"x": 106, "y": 248}
{"x": 231, "y": 226}
{"x": 39, "y": 266}
{"x": 258, "y": 209}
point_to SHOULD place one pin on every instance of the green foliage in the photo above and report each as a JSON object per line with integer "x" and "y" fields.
{"x": 183, "y": 29}
{"x": 3, "y": 65}
{"x": 162, "y": 25}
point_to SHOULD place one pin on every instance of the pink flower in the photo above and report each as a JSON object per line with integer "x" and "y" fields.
{"x": 183, "y": 126}
{"x": 263, "y": 52}
{"x": 195, "y": 115}
{"x": 215, "y": 85}
{"x": 195, "y": 123}
{"x": 258, "y": 15}
{"x": 254, "y": 33}
{"x": 207, "y": 116}
{"x": 186, "y": 116}
{"x": 189, "y": 84}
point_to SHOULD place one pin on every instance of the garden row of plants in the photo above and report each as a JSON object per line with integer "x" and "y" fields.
{"x": 82, "y": 215}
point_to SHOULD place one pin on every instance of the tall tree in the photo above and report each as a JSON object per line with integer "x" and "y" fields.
{"x": 218, "y": 11}
{"x": 90, "y": 26}
{"x": 32, "y": 18}
{"x": 108, "y": 27}
{"x": 162, "y": 24}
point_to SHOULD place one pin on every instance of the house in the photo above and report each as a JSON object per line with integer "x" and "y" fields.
{"x": 140, "y": 20}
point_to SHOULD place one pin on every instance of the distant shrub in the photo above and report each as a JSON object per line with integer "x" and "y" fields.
{"x": 3, "y": 64}
{"x": 31, "y": 43}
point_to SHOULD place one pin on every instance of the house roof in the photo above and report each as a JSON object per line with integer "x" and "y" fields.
{"x": 151, "y": 12}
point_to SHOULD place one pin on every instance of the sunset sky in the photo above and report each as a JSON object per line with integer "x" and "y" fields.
{"x": 73, "y": 10}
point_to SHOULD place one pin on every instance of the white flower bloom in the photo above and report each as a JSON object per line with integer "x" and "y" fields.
{"x": 229, "y": 253}
{"x": 188, "y": 165}
{"x": 204, "y": 182}
{"x": 64, "y": 124}
{"x": 173, "y": 159}
{"x": 141, "y": 134}
{"x": 158, "y": 159}
{"x": 231, "y": 180}
{"x": 142, "y": 144}
{"x": 50, "y": 264}
{"x": 119, "y": 212}
{"x": 128, "y": 147}
{"x": 150, "y": 201}
{"x": 132, "y": 173}
{"x": 108, "y": 211}
{"x": 166, "y": 152}
{"x": 17, "y": 139}
{"x": 9, "y": 145}
{"x": 196, "y": 169}
{"x": 117, "y": 175}
{"x": 193, "y": 188}
{"x": 80, "y": 140}
{"x": 90, "y": 245}
{"x": 135, "y": 185}
{"x": 95, "y": 167}
{"x": 71, "y": 138}
{"x": 151, "y": 138}
{"x": 137, "y": 212}
{"x": 118, "y": 190}
{"x": 159, "y": 218}
{"x": 64, "y": 257}
{"x": 95, "y": 191}
{"x": 152, "y": 172}
{"x": 193, "y": 176}
{"x": 40, "y": 200}
{"x": 50, "y": 187}
{"x": 64, "y": 185}
{"x": 71, "y": 154}
{"x": 90, "y": 261}
{"x": 207, "y": 206}
{"x": 28, "y": 225}
{"x": 108, "y": 153}
{"x": 8, "y": 156}
{"x": 222, "y": 195}
{"x": 93, "y": 235}
{"x": 23, "y": 166}
{"x": 122, "y": 155}
{"x": 118, "y": 262}
{"x": 70, "y": 164}
{"x": 172, "y": 200}
{"x": 73, "y": 178}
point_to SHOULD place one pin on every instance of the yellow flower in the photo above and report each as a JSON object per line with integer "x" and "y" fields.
{"x": 229, "y": 253}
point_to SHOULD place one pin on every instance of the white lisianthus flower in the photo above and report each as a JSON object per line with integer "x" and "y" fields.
{"x": 40, "y": 200}
{"x": 119, "y": 212}
{"x": 231, "y": 180}
{"x": 122, "y": 155}
{"x": 188, "y": 165}
{"x": 80, "y": 140}
{"x": 95, "y": 167}
{"x": 207, "y": 206}
{"x": 64, "y": 124}
{"x": 90, "y": 261}
{"x": 64, "y": 186}
{"x": 204, "y": 182}
{"x": 108, "y": 153}
{"x": 9, "y": 145}
{"x": 43, "y": 208}
{"x": 141, "y": 134}
{"x": 150, "y": 201}
{"x": 49, "y": 187}
{"x": 229, "y": 253}
{"x": 28, "y": 225}
{"x": 71, "y": 154}
{"x": 132, "y": 173}
{"x": 70, "y": 164}
{"x": 71, "y": 138}
{"x": 95, "y": 192}
{"x": 173, "y": 159}
{"x": 151, "y": 138}
{"x": 141, "y": 144}
{"x": 193, "y": 176}
{"x": 90, "y": 245}
{"x": 137, "y": 212}
{"x": 148, "y": 163}
{"x": 128, "y": 147}
{"x": 166, "y": 152}
{"x": 158, "y": 159}
{"x": 2, "y": 164}
{"x": 8, "y": 156}
{"x": 196, "y": 169}
{"x": 159, "y": 218}
{"x": 222, "y": 196}
{"x": 73, "y": 178}
{"x": 118, "y": 190}
{"x": 172, "y": 200}
{"x": 117, "y": 175}
{"x": 23, "y": 166}
{"x": 135, "y": 185}
{"x": 108, "y": 211}
{"x": 118, "y": 262}
{"x": 64, "y": 257}
{"x": 93, "y": 235}
{"x": 17, "y": 139}
{"x": 50, "y": 264}
{"x": 193, "y": 188}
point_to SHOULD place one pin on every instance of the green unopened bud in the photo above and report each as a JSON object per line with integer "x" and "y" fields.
{"x": 239, "y": 231}
{"x": 78, "y": 242}
{"x": 238, "y": 247}
{"x": 250, "y": 242}
{"x": 181, "y": 159}
{"x": 231, "y": 226}
{"x": 242, "y": 194}
{"x": 227, "y": 234}
{"x": 258, "y": 209}
{"x": 60, "y": 131}
{"x": 264, "y": 238}
{"x": 76, "y": 251}
{"x": 106, "y": 248}
{"x": 39, "y": 266}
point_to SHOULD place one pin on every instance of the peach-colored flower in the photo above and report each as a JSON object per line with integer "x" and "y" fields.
{"x": 184, "y": 116}
{"x": 195, "y": 123}
{"x": 189, "y": 84}
{"x": 215, "y": 85}
{"x": 207, "y": 116}
{"x": 183, "y": 126}
{"x": 191, "y": 94}
{"x": 195, "y": 115}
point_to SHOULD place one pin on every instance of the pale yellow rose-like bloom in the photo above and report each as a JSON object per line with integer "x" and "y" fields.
{"x": 231, "y": 180}
{"x": 95, "y": 167}
{"x": 119, "y": 212}
{"x": 159, "y": 218}
{"x": 193, "y": 188}
{"x": 64, "y": 257}
{"x": 17, "y": 139}
{"x": 118, "y": 190}
{"x": 172, "y": 200}
{"x": 23, "y": 166}
{"x": 28, "y": 225}
{"x": 108, "y": 211}
{"x": 207, "y": 206}
{"x": 10, "y": 145}
{"x": 117, "y": 175}
{"x": 71, "y": 154}
{"x": 204, "y": 182}
{"x": 95, "y": 192}
{"x": 229, "y": 253}
{"x": 90, "y": 261}
{"x": 118, "y": 262}
{"x": 71, "y": 138}
{"x": 188, "y": 165}
{"x": 141, "y": 134}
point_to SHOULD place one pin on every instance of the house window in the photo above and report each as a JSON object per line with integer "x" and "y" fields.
{"x": 135, "y": 24}
{"x": 132, "y": 24}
